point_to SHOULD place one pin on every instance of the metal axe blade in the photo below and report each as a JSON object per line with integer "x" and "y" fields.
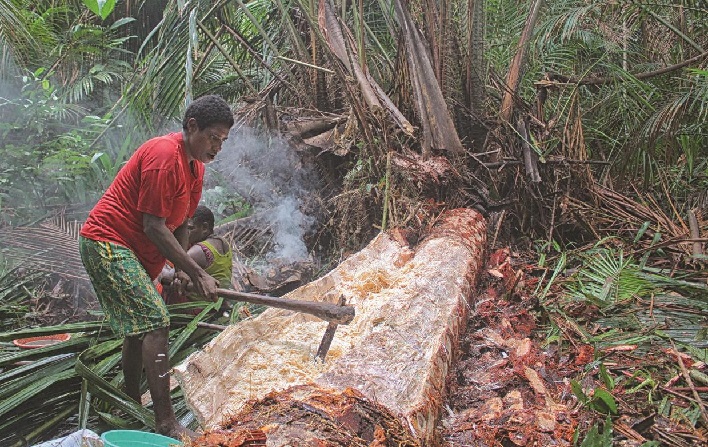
{"x": 328, "y": 336}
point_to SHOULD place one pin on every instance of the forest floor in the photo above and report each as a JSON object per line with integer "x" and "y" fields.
{"x": 526, "y": 377}
{"x": 529, "y": 374}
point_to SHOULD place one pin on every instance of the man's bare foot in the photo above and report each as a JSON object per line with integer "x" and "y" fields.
{"x": 177, "y": 431}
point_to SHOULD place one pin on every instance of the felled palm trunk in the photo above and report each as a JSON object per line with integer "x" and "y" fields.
{"x": 383, "y": 380}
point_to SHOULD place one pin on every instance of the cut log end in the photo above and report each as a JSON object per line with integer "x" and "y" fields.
{"x": 311, "y": 415}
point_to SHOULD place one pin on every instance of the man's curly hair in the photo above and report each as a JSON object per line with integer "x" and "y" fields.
{"x": 207, "y": 111}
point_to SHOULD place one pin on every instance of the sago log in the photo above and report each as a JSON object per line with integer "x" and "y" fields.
{"x": 383, "y": 379}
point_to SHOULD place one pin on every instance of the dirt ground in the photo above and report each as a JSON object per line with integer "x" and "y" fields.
{"x": 506, "y": 389}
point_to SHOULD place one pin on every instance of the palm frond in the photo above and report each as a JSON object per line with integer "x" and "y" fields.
{"x": 162, "y": 84}
{"x": 15, "y": 292}
{"x": 16, "y": 39}
{"x": 505, "y": 20}
{"x": 48, "y": 381}
{"x": 45, "y": 247}
{"x": 608, "y": 277}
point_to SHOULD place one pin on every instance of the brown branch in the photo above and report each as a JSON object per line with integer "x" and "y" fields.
{"x": 499, "y": 164}
{"x": 214, "y": 327}
{"x": 674, "y": 241}
{"x": 695, "y": 233}
{"x": 556, "y": 79}
{"x": 687, "y": 376}
{"x": 530, "y": 157}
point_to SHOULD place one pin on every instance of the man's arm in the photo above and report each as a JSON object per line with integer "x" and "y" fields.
{"x": 182, "y": 235}
{"x": 155, "y": 229}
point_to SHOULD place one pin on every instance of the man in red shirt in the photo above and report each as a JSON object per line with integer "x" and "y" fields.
{"x": 139, "y": 222}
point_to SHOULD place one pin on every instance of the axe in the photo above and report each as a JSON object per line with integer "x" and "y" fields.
{"x": 336, "y": 314}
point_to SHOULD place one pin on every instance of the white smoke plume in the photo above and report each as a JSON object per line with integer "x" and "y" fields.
{"x": 268, "y": 173}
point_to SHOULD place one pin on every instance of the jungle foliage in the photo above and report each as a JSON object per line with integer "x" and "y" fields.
{"x": 562, "y": 121}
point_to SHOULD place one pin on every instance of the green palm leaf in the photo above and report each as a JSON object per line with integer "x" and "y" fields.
{"x": 55, "y": 379}
{"x": 16, "y": 38}
{"x": 607, "y": 277}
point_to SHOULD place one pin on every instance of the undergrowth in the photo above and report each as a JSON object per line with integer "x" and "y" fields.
{"x": 647, "y": 329}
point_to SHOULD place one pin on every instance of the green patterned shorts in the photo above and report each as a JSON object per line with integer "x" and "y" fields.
{"x": 128, "y": 297}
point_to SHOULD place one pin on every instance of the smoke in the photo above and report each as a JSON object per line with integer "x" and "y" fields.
{"x": 267, "y": 173}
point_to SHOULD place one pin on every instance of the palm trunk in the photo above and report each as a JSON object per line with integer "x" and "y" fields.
{"x": 517, "y": 64}
{"x": 384, "y": 377}
{"x": 438, "y": 128}
{"x": 476, "y": 70}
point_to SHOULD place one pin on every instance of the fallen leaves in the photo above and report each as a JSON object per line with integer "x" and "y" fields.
{"x": 506, "y": 390}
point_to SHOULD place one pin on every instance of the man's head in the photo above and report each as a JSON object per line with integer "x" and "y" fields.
{"x": 206, "y": 126}
{"x": 201, "y": 225}
{"x": 207, "y": 111}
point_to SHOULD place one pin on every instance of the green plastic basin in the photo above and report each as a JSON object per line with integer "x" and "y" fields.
{"x": 135, "y": 438}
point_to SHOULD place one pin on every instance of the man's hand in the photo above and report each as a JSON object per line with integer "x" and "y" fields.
{"x": 180, "y": 283}
{"x": 206, "y": 286}
{"x": 169, "y": 245}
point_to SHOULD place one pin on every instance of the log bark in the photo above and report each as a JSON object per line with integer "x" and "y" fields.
{"x": 383, "y": 380}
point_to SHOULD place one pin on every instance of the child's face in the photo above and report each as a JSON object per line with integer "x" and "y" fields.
{"x": 197, "y": 231}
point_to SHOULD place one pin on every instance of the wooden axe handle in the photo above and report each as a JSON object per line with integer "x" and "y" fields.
{"x": 326, "y": 311}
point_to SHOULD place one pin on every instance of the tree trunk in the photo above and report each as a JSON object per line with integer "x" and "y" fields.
{"x": 435, "y": 25}
{"x": 384, "y": 375}
{"x": 515, "y": 71}
{"x": 147, "y": 16}
{"x": 438, "y": 128}
{"x": 476, "y": 70}
{"x": 337, "y": 36}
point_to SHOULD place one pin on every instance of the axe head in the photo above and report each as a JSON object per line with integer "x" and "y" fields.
{"x": 328, "y": 336}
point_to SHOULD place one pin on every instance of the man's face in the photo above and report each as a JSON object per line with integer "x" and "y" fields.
{"x": 205, "y": 144}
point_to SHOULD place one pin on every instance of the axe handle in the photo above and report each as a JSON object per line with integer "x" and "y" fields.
{"x": 326, "y": 311}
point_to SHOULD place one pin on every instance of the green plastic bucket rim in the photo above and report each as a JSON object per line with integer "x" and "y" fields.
{"x": 140, "y": 438}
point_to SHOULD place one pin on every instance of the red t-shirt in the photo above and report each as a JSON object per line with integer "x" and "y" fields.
{"x": 159, "y": 180}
